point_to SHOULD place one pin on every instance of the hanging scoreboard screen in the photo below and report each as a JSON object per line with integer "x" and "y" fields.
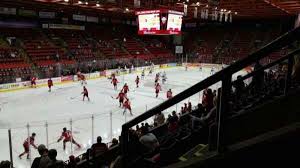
{"x": 174, "y": 22}
{"x": 159, "y": 22}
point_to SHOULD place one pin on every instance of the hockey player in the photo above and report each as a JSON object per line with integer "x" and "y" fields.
{"x": 85, "y": 93}
{"x": 50, "y": 84}
{"x": 169, "y": 94}
{"x": 143, "y": 74}
{"x": 81, "y": 78}
{"x": 200, "y": 67}
{"x": 67, "y": 136}
{"x": 115, "y": 82}
{"x": 33, "y": 83}
{"x": 28, "y": 141}
{"x": 125, "y": 88}
{"x": 137, "y": 81}
{"x": 121, "y": 96}
{"x": 156, "y": 78}
{"x": 127, "y": 106}
{"x": 212, "y": 70}
{"x": 157, "y": 89}
{"x": 164, "y": 78}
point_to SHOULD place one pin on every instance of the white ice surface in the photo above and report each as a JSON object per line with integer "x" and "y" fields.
{"x": 57, "y": 108}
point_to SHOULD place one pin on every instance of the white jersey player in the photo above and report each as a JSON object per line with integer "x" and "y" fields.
{"x": 212, "y": 70}
{"x": 164, "y": 77}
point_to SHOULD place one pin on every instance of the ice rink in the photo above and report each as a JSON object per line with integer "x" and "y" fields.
{"x": 46, "y": 113}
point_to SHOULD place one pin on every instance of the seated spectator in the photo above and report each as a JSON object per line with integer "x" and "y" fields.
{"x": 173, "y": 125}
{"x": 99, "y": 147}
{"x": 159, "y": 118}
{"x": 208, "y": 99}
{"x": 239, "y": 87}
{"x": 149, "y": 140}
{"x": 53, "y": 162}
{"x": 114, "y": 143}
{"x": 174, "y": 116}
{"x": 43, "y": 160}
{"x": 72, "y": 162}
{"x": 5, "y": 164}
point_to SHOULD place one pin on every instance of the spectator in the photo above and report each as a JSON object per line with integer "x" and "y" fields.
{"x": 149, "y": 140}
{"x": 239, "y": 87}
{"x": 53, "y": 162}
{"x": 159, "y": 119}
{"x": 72, "y": 162}
{"x": 99, "y": 147}
{"x": 5, "y": 164}
{"x": 208, "y": 100}
{"x": 185, "y": 108}
{"x": 43, "y": 160}
{"x": 189, "y": 108}
{"x": 114, "y": 143}
{"x": 258, "y": 79}
{"x": 174, "y": 116}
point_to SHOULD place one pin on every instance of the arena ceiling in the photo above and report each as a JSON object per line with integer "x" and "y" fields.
{"x": 243, "y": 9}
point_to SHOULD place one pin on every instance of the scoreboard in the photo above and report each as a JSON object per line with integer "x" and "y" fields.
{"x": 159, "y": 22}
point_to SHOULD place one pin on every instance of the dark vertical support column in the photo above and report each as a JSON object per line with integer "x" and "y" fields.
{"x": 10, "y": 149}
{"x": 124, "y": 146}
{"x": 222, "y": 110}
{"x": 288, "y": 77}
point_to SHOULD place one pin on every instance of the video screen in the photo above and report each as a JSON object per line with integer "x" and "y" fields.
{"x": 174, "y": 23}
{"x": 149, "y": 22}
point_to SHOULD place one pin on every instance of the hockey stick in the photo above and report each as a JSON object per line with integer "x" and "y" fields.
{"x": 75, "y": 97}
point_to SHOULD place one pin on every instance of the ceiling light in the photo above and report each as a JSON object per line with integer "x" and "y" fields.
{"x": 235, "y": 13}
{"x": 187, "y": 0}
{"x": 79, "y": 2}
{"x": 86, "y": 3}
{"x": 98, "y": 5}
{"x": 66, "y": 0}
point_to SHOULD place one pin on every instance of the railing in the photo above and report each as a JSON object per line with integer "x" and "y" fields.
{"x": 224, "y": 76}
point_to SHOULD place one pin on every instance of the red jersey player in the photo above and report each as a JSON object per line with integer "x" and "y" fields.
{"x": 156, "y": 78}
{"x": 137, "y": 81}
{"x": 127, "y": 106}
{"x": 81, "y": 78}
{"x": 85, "y": 93}
{"x": 67, "y": 136}
{"x": 27, "y": 142}
{"x": 115, "y": 81}
{"x": 33, "y": 83}
{"x": 50, "y": 84}
{"x": 125, "y": 88}
{"x": 121, "y": 97}
{"x": 157, "y": 89}
{"x": 169, "y": 94}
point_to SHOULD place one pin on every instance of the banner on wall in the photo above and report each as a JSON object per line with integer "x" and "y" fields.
{"x": 196, "y": 12}
{"x": 137, "y": 3}
{"x": 185, "y": 9}
{"x": 179, "y": 50}
{"x": 79, "y": 17}
{"x": 63, "y": 26}
{"x": 47, "y": 15}
{"x": 297, "y": 22}
{"x": 190, "y": 25}
{"x": 27, "y": 13}
{"x": 92, "y": 19}
{"x": 8, "y": 11}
